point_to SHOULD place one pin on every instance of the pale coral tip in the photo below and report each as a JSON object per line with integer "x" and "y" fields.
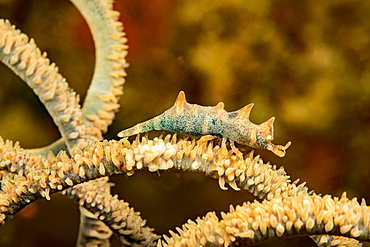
{"x": 287, "y": 145}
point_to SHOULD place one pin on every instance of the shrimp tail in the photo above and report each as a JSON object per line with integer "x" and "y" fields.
{"x": 137, "y": 129}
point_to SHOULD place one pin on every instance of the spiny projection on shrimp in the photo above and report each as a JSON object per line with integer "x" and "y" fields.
{"x": 212, "y": 122}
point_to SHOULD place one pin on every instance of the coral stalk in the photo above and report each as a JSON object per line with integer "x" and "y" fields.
{"x": 101, "y": 102}
{"x": 21, "y": 55}
{"x": 255, "y": 222}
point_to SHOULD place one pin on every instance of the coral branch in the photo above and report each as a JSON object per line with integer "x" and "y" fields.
{"x": 98, "y": 159}
{"x": 123, "y": 220}
{"x": 101, "y": 102}
{"x": 22, "y": 56}
{"x": 331, "y": 241}
{"x": 281, "y": 217}
{"x": 106, "y": 158}
{"x": 93, "y": 232}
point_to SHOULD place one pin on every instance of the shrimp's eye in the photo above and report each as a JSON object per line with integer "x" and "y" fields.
{"x": 269, "y": 138}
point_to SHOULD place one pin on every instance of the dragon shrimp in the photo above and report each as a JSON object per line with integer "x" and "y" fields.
{"x": 212, "y": 122}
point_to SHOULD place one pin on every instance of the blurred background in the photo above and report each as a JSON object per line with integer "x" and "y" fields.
{"x": 305, "y": 62}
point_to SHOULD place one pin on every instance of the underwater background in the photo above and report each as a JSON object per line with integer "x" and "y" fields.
{"x": 307, "y": 63}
